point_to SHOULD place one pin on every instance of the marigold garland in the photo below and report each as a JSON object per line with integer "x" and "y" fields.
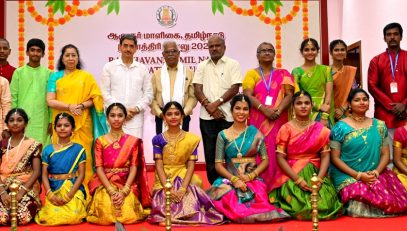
{"x": 277, "y": 21}
{"x": 51, "y": 22}
{"x": 21, "y": 30}
{"x": 305, "y": 28}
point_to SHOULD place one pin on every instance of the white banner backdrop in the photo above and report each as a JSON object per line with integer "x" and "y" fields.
{"x": 87, "y": 24}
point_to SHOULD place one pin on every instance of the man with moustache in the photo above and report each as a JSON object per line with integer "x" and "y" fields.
{"x": 6, "y": 70}
{"x": 387, "y": 80}
{"x": 126, "y": 81}
{"x": 172, "y": 82}
{"x": 29, "y": 91}
{"x": 216, "y": 81}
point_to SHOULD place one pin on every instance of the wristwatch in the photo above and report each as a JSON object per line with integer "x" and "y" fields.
{"x": 220, "y": 99}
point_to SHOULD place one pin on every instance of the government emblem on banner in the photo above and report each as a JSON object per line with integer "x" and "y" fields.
{"x": 166, "y": 16}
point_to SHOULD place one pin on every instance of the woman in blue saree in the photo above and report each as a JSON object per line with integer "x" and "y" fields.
{"x": 240, "y": 194}
{"x": 63, "y": 173}
{"x": 360, "y": 154}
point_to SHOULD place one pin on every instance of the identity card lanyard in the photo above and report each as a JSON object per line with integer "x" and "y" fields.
{"x": 269, "y": 99}
{"x": 393, "y": 84}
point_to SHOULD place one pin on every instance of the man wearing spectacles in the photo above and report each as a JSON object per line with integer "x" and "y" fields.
{"x": 172, "y": 82}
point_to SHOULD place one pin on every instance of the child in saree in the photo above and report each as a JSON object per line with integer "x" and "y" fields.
{"x": 63, "y": 173}
{"x": 21, "y": 163}
{"x": 119, "y": 187}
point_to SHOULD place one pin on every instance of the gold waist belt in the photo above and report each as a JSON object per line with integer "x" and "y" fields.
{"x": 64, "y": 176}
{"x": 244, "y": 160}
{"x": 116, "y": 170}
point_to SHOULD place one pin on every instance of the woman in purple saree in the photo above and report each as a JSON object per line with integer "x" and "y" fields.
{"x": 175, "y": 153}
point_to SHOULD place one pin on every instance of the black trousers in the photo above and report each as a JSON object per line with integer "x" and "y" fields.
{"x": 209, "y": 131}
{"x": 159, "y": 124}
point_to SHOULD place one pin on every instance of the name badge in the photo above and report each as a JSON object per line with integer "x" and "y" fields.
{"x": 269, "y": 100}
{"x": 393, "y": 87}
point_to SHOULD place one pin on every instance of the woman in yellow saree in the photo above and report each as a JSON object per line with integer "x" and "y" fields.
{"x": 75, "y": 91}
{"x": 20, "y": 162}
{"x": 62, "y": 175}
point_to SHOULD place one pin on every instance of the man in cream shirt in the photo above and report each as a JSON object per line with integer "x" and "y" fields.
{"x": 216, "y": 81}
{"x": 128, "y": 82}
{"x": 172, "y": 82}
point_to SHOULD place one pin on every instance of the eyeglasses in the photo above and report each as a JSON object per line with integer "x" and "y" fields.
{"x": 268, "y": 51}
{"x": 171, "y": 52}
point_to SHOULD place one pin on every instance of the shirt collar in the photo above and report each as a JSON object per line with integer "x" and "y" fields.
{"x": 120, "y": 63}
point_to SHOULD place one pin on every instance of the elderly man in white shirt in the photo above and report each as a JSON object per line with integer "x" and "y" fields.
{"x": 128, "y": 82}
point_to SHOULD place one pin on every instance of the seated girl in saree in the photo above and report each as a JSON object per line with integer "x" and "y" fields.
{"x": 240, "y": 194}
{"x": 175, "y": 154}
{"x": 119, "y": 187}
{"x": 20, "y": 162}
{"x": 302, "y": 150}
{"x": 63, "y": 171}
{"x": 400, "y": 154}
{"x": 360, "y": 154}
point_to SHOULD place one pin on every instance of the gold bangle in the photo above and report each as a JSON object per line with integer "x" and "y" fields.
{"x": 67, "y": 198}
{"x": 126, "y": 190}
{"x": 110, "y": 190}
{"x": 182, "y": 189}
{"x": 358, "y": 176}
{"x": 258, "y": 107}
{"x": 50, "y": 195}
{"x": 320, "y": 180}
{"x": 299, "y": 180}
{"x": 233, "y": 179}
{"x": 255, "y": 173}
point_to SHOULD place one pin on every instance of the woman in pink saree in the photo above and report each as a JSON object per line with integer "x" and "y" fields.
{"x": 21, "y": 163}
{"x": 270, "y": 91}
{"x": 120, "y": 186}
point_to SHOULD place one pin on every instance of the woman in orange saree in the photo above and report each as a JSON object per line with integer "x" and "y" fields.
{"x": 343, "y": 76}
{"x": 21, "y": 163}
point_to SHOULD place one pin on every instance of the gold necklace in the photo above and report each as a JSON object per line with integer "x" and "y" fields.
{"x": 359, "y": 119}
{"x": 310, "y": 71}
{"x": 172, "y": 144}
{"x": 335, "y": 70}
{"x": 173, "y": 137}
{"x": 302, "y": 123}
{"x": 239, "y": 149}
{"x": 116, "y": 138}
{"x": 64, "y": 145}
